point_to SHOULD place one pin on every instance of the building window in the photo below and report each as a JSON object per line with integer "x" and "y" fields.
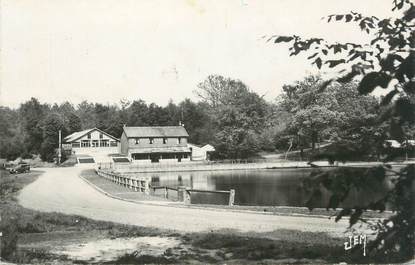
{"x": 104, "y": 143}
{"x": 164, "y": 140}
{"x": 101, "y": 136}
{"x": 89, "y": 136}
{"x": 76, "y": 144}
{"x": 179, "y": 140}
{"x": 137, "y": 140}
{"x": 85, "y": 143}
{"x": 95, "y": 143}
{"x": 140, "y": 156}
{"x": 168, "y": 156}
{"x": 151, "y": 140}
{"x": 113, "y": 144}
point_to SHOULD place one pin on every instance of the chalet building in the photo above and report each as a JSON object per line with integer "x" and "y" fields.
{"x": 200, "y": 153}
{"x": 155, "y": 144}
{"x": 91, "y": 142}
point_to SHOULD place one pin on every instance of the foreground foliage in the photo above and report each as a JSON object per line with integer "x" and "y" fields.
{"x": 388, "y": 62}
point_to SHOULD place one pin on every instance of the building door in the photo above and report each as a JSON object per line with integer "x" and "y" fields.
{"x": 154, "y": 158}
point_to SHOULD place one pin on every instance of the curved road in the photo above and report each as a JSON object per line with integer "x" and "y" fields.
{"x": 61, "y": 190}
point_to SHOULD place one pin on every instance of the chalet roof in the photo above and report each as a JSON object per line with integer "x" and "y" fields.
{"x": 208, "y": 148}
{"x": 157, "y": 131}
{"x": 76, "y": 135}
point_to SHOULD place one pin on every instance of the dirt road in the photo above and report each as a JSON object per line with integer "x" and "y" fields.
{"x": 61, "y": 190}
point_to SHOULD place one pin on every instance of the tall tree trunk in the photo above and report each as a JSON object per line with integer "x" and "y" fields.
{"x": 300, "y": 144}
{"x": 313, "y": 140}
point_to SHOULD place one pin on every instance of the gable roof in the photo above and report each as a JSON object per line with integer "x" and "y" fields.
{"x": 208, "y": 148}
{"x": 76, "y": 135}
{"x": 156, "y": 131}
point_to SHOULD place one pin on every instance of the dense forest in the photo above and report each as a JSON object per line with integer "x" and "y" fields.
{"x": 229, "y": 115}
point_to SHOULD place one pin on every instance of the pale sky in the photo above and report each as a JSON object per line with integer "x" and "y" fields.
{"x": 107, "y": 50}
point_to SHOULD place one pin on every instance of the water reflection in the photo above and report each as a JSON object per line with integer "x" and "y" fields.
{"x": 273, "y": 187}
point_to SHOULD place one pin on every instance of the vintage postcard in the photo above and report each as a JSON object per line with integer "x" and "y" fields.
{"x": 207, "y": 132}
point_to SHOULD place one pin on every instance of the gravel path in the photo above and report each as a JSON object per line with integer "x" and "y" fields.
{"x": 61, "y": 190}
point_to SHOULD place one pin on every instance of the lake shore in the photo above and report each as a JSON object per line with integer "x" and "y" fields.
{"x": 216, "y": 166}
{"x": 119, "y": 192}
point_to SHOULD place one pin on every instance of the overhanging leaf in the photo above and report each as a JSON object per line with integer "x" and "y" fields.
{"x": 342, "y": 213}
{"x": 410, "y": 14}
{"x": 315, "y": 198}
{"x": 318, "y": 62}
{"x": 355, "y": 216}
{"x": 409, "y": 87}
{"x": 407, "y": 68}
{"x": 388, "y": 98}
{"x": 283, "y": 39}
{"x": 312, "y": 56}
{"x": 349, "y": 17}
{"x": 339, "y": 17}
{"x": 372, "y": 80}
{"x": 333, "y": 202}
{"x": 333, "y": 63}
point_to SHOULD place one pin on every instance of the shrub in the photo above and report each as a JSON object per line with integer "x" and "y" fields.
{"x": 8, "y": 226}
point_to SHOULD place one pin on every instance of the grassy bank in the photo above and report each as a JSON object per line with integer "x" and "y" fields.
{"x": 30, "y": 236}
{"x": 25, "y": 227}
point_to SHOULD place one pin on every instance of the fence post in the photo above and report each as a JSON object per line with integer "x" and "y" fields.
{"x": 139, "y": 184}
{"x": 231, "y": 197}
{"x": 180, "y": 193}
{"x": 147, "y": 187}
{"x": 186, "y": 196}
{"x": 166, "y": 193}
{"x": 135, "y": 184}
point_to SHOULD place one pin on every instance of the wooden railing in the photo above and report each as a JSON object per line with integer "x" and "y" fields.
{"x": 201, "y": 165}
{"x": 166, "y": 193}
{"x": 143, "y": 184}
{"x": 140, "y": 184}
{"x": 184, "y": 193}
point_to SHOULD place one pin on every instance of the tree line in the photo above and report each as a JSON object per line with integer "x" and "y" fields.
{"x": 229, "y": 115}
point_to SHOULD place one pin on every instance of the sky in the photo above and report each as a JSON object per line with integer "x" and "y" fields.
{"x": 108, "y": 50}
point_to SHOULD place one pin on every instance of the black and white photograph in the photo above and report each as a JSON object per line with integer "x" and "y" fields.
{"x": 207, "y": 132}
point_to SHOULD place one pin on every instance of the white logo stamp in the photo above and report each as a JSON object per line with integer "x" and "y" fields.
{"x": 354, "y": 241}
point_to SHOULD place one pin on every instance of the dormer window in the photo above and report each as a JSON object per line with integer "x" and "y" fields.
{"x": 164, "y": 140}
{"x": 101, "y": 136}
{"x": 151, "y": 140}
{"x": 89, "y": 135}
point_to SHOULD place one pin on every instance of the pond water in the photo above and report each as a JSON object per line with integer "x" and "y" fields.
{"x": 269, "y": 187}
